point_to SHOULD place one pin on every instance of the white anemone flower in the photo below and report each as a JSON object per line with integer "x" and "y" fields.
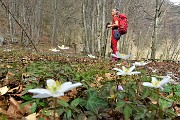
{"x": 122, "y": 56}
{"x": 63, "y": 47}
{"x": 156, "y": 83}
{"x": 91, "y": 56}
{"x": 54, "y": 89}
{"x": 142, "y": 63}
{"x": 54, "y": 50}
{"x": 126, "y": 71}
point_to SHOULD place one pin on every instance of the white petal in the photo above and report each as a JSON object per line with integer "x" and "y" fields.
{"x": 118, "y": 54}
{"x": 120, "y": 73}
{"x": 131, "y": 69}
{"x": 135, "y": 73}
{"x": 124, "y": 68}
{"x": 41, "y": 96}
{"x": 39, "y": 91}
{"x": 50, "y": 83}
{"x": 138, "y": 64}
{"x": 148, "y": 84}
{"x": 113, "y": 55}
{"x": 125, "y": 56}
{"x": 165, "y": 81}
{"x": 68, "y": 86}
{"x": 161, "y": 88}
{"x": 117, "y": 69}
{"x": 154, "y": 79}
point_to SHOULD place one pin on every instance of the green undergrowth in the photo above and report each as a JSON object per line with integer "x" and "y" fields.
{"x": 99, "y": 97}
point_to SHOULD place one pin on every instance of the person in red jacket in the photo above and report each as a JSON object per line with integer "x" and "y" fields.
{"x": 115, "y": 33}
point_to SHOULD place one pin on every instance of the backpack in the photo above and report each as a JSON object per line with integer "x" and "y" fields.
{"x": 123, "y": 24}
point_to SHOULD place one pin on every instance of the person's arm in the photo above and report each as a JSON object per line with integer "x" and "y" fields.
{"x": 113, "y": 25}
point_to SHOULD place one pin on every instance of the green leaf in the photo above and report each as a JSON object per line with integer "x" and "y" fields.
{"x": 120, "y": 105}
{"x": 82, "y": 102}
{"x": 139, "y": 116}
{"x": 131, "y": 92}
{"x": 145, "y": 94}
{"x": 95, "y": 102}
{"x": 43, "y": 104}
{"x": 127, "y": 112}
{"x": 177, "y": 88}
{"x": 46, "y": 112}
{"x": 26, "y": 97}
{"x": 75, "y": 102}
{"x": 167, "y": 89}
{"x": 33, "y": 107}
{"x": 25, "y": 103}
{"x": 165, "y": 103}
{"x": 81, "y": 116}
{"x": 177, "y": 93}
{"x": 63, "y": 103}
{"x": 170, "y": 113}
{"x": 69, "y": 114}
{"x": 92, "y": 118}
{"x": 41, "y": 118}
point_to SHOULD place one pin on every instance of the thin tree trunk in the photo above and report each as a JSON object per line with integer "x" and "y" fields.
{"x": 11, "y": 23}
{"x": 54, "y": 23}
{"x": 85, "y": 35}
{"x": 104, "y": 27}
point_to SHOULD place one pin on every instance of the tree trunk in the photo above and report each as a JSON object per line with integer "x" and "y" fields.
{"x": 54, "y": 29}
{"x": 85, "y": 29}
{"x": 155, "y": 29}
{"x": 11, "y": 21}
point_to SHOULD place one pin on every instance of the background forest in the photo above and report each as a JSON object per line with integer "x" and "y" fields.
{"x": 153, "y": 31}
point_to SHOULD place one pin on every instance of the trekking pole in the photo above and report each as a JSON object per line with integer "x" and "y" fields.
{"x": 107, "y": 33}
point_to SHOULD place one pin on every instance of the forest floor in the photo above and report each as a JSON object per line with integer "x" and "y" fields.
{"x": 15, "y": 63}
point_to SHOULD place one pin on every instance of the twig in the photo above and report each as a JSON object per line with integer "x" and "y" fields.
{"x": 19, "y": 24}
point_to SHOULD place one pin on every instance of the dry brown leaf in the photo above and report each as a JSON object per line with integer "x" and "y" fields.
{"x": 10, "y": 115}
{"x": 15, "y": 106}
{"x": 25, "y": 75}
{"x": 3, "y": 90}
{"x": 177, "y": 110}
{"x": 11, "y": 74}
{"x": 9, "y": 66}
{"x": 31, "y": 117}
{"x": 17, "y": 89}
{"x": 153, "y": 101}
{"x": 99, "y": 78}
{"x": 65, "y": 98}
{"x": 109, "y": 76}
{"x": 92, "y": 85}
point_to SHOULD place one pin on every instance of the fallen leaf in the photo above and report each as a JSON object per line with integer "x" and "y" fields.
{"x": 15, "y": 107}
{"x": 177, "y": 110}
{"x": 10, "y": 116}
{"x": 3, "y": 90}
{"x": 17, "y": 89}
{"x": 31, "y": 117}
{"x": 65, "y": 98}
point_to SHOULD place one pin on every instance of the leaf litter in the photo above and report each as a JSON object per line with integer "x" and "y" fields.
{"x": 12, "y": 86}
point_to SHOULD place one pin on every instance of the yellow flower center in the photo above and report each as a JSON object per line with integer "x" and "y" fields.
{"x": 54, "y": 87}
{"x": 122, "y": 54}
{"x": 156, "y": 83}
{"x": 126, "y": 70}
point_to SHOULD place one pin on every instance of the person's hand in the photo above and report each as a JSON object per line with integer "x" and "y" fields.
{"x": 109, "y": 26}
